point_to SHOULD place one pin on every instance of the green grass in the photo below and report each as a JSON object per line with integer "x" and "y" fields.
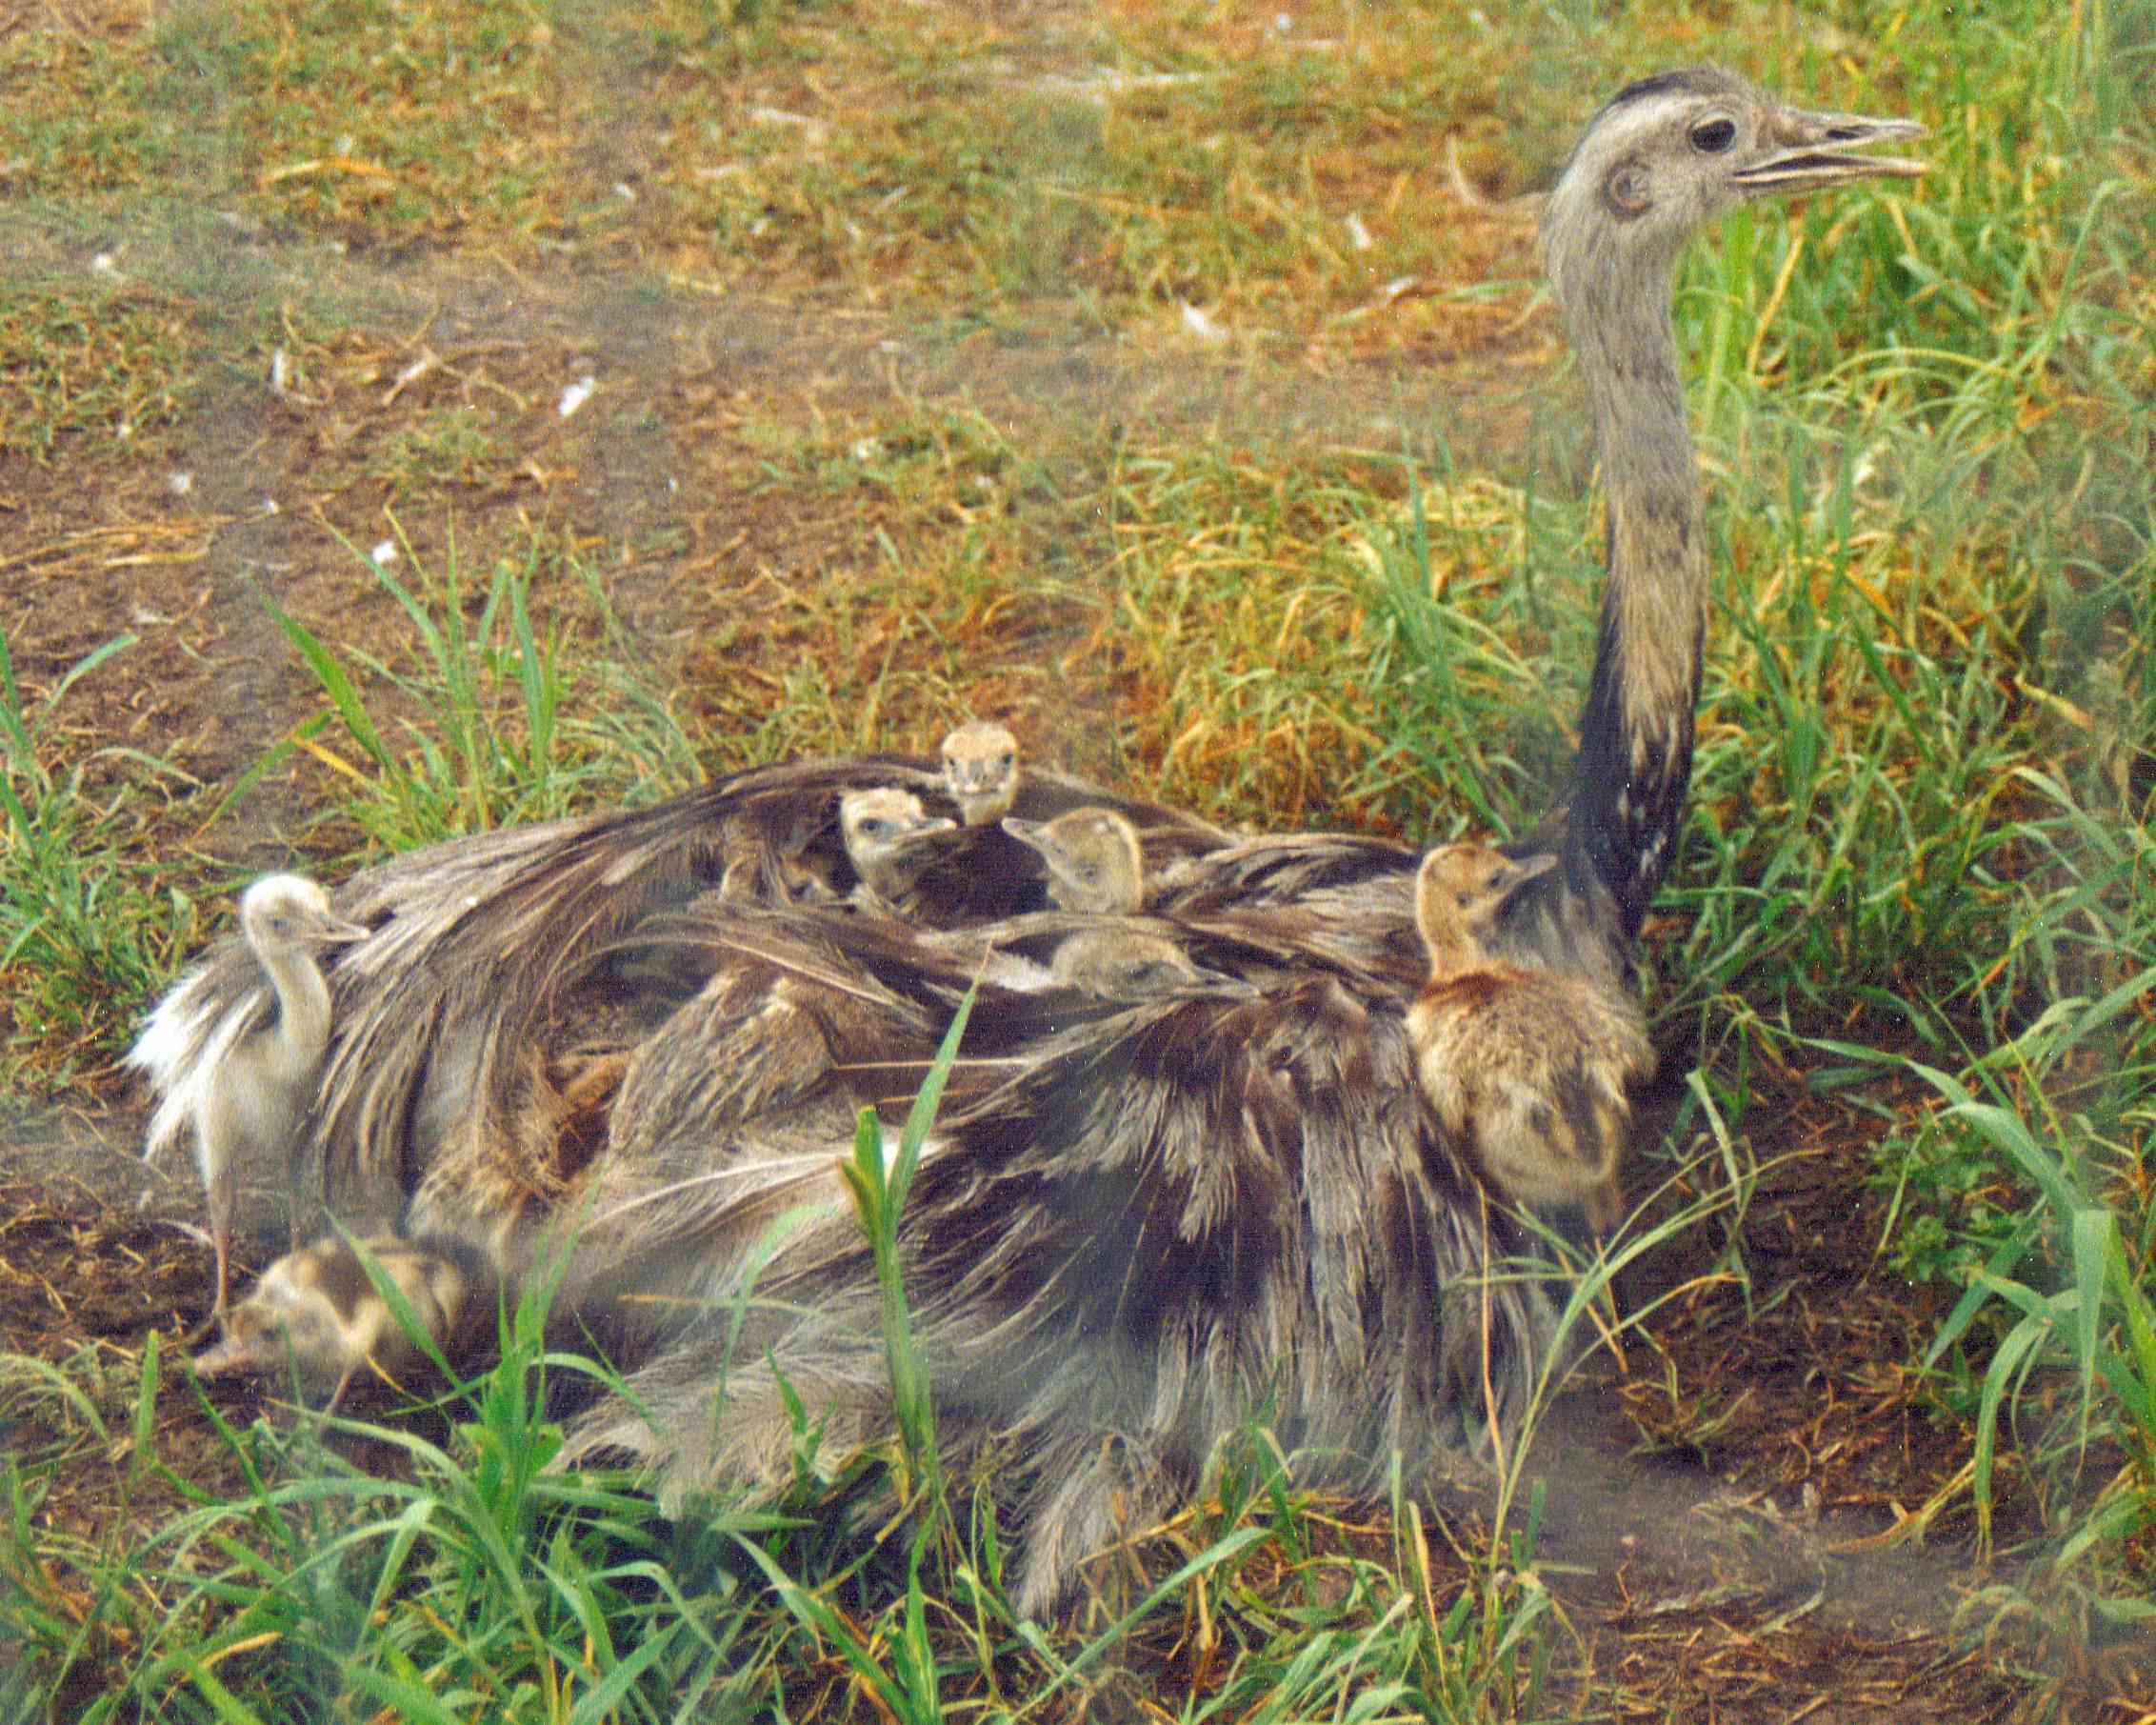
{"x": 494, "y": 729}
{"x": 339, "y": 114}
{"x": 81, "y": 919}
{"x": 1916, "y": 887}
{"x": 455, "y": 447}
{"x": 102, "y": 368}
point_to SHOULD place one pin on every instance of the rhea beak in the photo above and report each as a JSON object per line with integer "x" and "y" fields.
{"x": 1819, "y": 149}
{"x": 337, "y": 929}
{"x": 1525, "y": 869}
{"x": 926, "y": 837}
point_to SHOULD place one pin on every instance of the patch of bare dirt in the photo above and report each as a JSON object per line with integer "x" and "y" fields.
{"x": 87, "y": 1275}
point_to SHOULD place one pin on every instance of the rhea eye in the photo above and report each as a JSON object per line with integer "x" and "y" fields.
{"x": 1711, "y": 137}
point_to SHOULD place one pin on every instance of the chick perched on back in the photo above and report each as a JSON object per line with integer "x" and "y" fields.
{"x": 1093, "y": 860}
{"x": 1096, "y": 868}
{"x": 1526, "y": 1067}
{"x": 890, "y": 839}
{"x": 980, "y": 764}
{"x": 1122, "y": 964}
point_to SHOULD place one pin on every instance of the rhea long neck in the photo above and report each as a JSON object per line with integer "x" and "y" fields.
{"x": 1452, "y": 949}
{"x": 1635, "y": 756}
{"x": 302, "y": 1032}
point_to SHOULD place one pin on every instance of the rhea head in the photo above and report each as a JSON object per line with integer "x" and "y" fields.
{"x": 889, "y": 837}
{"x": 980, "y": 763}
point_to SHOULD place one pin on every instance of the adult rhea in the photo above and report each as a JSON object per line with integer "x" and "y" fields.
{"x": 1174, "y": 1211}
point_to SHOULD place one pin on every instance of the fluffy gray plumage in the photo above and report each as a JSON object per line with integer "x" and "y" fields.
{"x": 1161, "y": 1220}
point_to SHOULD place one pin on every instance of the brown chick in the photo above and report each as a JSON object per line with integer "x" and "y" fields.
{"x": 890, "y": 839}
{"x": 1122, "y": 964}
{"x": 1527, "y": 1068}
{"x": 318, "y": 1308}
{"x": 980, "y": 764}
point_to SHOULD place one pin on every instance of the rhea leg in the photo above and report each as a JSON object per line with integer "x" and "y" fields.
{"x": 223, "y": 1192}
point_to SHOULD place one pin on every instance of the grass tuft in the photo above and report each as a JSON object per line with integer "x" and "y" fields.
{"x": 504, "y": 738}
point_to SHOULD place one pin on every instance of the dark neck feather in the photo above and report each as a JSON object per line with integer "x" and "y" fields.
{"x": 1634, "y": 765}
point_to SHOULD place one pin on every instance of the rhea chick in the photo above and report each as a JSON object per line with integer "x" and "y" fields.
{"x": 1527, "y": 1067}
{"x": 890, "y": 839}
{"x": 319, "y": 1310}
{"x": 1122, "y": 963}
{"x": 1096, "y": 868}
{"x": 1093, "y": 860}
{"x": 980, "y": 764}
{"x": 255, "y": 1091}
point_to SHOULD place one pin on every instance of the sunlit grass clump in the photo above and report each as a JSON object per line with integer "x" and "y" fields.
{"x": 82, "y": 922}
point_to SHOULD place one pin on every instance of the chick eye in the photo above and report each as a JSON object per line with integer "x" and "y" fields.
{"x": 1711, "y": 137}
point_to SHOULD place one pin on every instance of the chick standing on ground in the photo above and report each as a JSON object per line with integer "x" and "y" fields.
{"x": 248, "y": 1098}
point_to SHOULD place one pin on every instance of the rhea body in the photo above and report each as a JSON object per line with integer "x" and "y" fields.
{"x": 1144, "y": 1218}
{"x": 1527, "y": 1068}
{"x": 246, "y": 1097}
